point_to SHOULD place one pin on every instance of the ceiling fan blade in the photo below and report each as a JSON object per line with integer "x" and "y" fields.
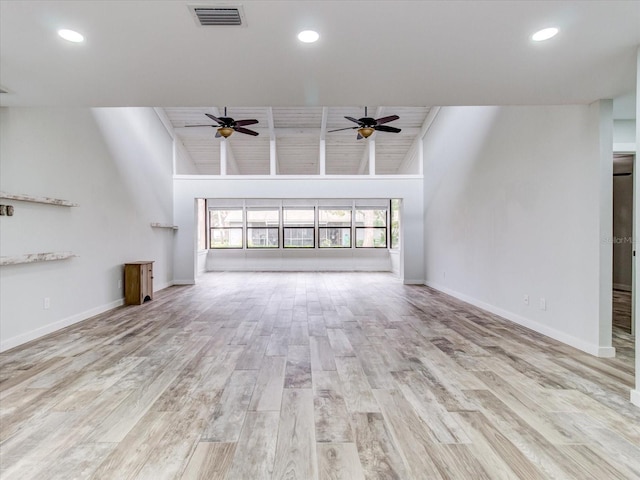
{"x": 218, "y": 134}
{"x": 217, "y": 120}
{"x": 390, "y": 118}
{"x": 340, "y": 129}
{"x": 384, "y": 128}
{"x": 246, "y": 130}
{"x": 353, "y": 120}
{"x": 359, "y": 137}
{"x": 241, "y": 123}
{"x": 201, "y": 125}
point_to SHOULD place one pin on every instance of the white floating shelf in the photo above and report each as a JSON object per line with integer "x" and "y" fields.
{"x": 35, "y": 257}
{"x": 164, "y": 225}
{"x": 30, "y": 198}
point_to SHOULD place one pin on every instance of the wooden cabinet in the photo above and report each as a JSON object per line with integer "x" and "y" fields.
{"x": 138, "y": 282}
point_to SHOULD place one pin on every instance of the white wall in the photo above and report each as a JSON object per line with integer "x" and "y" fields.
{"x": 300, "y": 260}
{"x": 116, "y": 164}
{"x": 513, "y": 208}
{"x": 183, "y": 161}
{"x": 187, "y": 188}
{"x": 624, "y": 135}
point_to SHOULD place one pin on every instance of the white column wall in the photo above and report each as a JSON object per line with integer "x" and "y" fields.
{"x": 513, "y": 208}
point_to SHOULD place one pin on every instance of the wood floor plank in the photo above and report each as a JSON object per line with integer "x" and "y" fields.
{"x": 457, "y": 461}
{"x": 481, "y": 428}
{"x": 298, "y": 369}
{"x": 443, "y": 426}
{"x": 210, "y": 461}
{"x": 255, "y": 451}
{"x": 278, "y": 342}
{"x": 299, "y": 333}
{"x": 340, "y": 344}
{"x": 526, "y": 408}
{"x": 409, "y": 433}
{"x": 538, "y": 450}
{"x": 378, "y": 372}
{"x": 295, "y": 457}
{"x": 225, "y": 423}
{"x": 377, "y": 452}
{"x": 339, "y": 461}
{"x": 357, "y": 391}
{"x": 316, "y": 326}
{"x": 322, "y": 357}
{"x": 331, "y": 416}
{"x": 251, "y": 358}
{"x": 171, "y": 454}
{"x": 267, "y": 394}
{"x": 126, "y": 460}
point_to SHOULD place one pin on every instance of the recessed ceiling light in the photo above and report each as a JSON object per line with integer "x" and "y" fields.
{"x": 544, "y": 34}
{"x": 308, "y": 36}
{"x": 71, "y": 35}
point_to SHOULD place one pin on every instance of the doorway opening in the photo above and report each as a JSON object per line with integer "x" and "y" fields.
{"x": 623, "y": 251}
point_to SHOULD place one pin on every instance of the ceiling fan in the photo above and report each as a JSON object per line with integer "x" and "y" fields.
{"x": 367, "y": 125}
{"x": 227, "y": 125}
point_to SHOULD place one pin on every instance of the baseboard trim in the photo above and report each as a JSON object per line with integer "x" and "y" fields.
{"x": 606, "y": 352}
{"x": 635, "y": 397}
{"x": 413, "y": 281}
{"x": 60, "y": 324}
{"x": 162, "y": 286}
{"x": 563, "y": 337}
{"x": 184, "y": 282}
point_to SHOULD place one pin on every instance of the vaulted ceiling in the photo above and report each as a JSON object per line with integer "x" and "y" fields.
{"x": 403, "y": 55}
{"x": 297, "y": 132}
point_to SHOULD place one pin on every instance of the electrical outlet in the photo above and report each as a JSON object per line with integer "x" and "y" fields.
{"x": 543, "y": 303}
{"x": 46, "y": 303}
{"x": 444, "y": 275}
{"x": 525, "y": 299}
{"x": 119, "y": 283}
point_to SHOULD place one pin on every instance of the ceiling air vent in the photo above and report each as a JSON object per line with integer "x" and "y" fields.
{"x": 218, "y": 16}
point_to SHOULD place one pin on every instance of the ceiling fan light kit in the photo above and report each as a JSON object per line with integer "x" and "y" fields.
{"x": 367, "y": 125}
{"x": 227, "y": 125}
{"x": 225, "y": 131}
{"x": 365, "y": 132}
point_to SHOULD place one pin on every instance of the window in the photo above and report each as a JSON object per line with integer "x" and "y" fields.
{"x": 225, "y": 228}
{"x": 371, "y": 228}
{"x": 298, "y": 227}
{"x": 334, "y": 228}
{"x": 395, "y": 223}
{"x": 263, "y": 227}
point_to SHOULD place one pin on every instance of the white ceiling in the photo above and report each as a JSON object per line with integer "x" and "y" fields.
{"x": 412, "y": 53}
{"x": 396, "y": 54}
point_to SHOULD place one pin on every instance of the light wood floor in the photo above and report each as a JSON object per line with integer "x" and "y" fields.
{"x": 621, "y": 310}
{"x": 313, "y": 375}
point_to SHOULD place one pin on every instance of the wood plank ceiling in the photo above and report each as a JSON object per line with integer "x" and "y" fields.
{"x": 297, "y": 132}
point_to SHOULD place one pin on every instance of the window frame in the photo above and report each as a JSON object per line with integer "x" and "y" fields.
{"x": 385, "y": 228}
{"x": 294, "y": 226}
{"x": 299, "y": 247}
{"x": 331, "y": 227}
{"x": 212, "y": 228}
{"x": 249, "y": 229}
